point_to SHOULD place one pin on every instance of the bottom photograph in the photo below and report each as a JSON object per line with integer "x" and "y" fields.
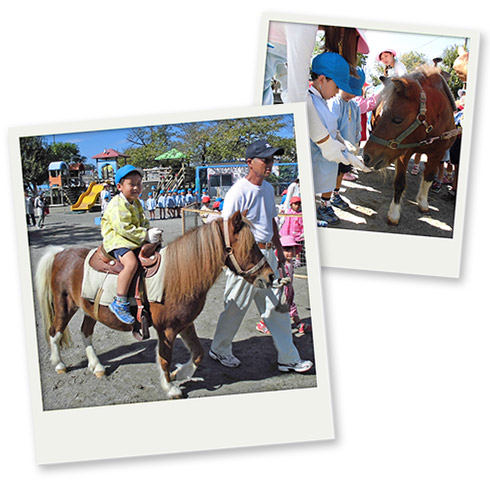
{"x": 173, "y": 260}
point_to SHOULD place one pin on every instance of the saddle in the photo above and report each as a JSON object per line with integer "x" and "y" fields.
{"x": 149, "y": 262}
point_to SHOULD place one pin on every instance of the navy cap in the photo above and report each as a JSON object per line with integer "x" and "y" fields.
{"x": 334, "y": 66}
{"x": 261, "y": 149}
{"x": 126, "y": 170}
{"x": 356, "y": 84}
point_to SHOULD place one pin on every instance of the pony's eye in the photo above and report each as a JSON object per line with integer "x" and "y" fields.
{"x": 397, "y": 120}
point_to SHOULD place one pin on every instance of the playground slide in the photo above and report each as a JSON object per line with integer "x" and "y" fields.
{"x": 87, "y": 200}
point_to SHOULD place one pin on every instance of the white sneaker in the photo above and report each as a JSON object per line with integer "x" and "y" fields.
{"x": 300, "y": 366}
{"x": 228, "y": 360}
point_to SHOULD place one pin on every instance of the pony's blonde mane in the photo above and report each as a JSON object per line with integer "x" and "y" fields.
{"x": 193, "y": 262}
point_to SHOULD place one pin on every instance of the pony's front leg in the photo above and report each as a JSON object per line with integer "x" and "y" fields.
{"x": 187, "y": 370}
{"x": 164, "y": 358}
{"x": 430, "y": 173}
{"x": 399, "y": 186}
{"x": 94, "y": 365}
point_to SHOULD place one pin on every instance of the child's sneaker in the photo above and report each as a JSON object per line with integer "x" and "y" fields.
{"x": 327, "y": 214}
{"x": 121, "y": 311}
{"x": 261, "y": 327}
{"x": 337, "y": 201}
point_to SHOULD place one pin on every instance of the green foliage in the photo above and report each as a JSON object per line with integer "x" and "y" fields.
{"x": 65, "y": 152}
{"x": 227, "y": 140}
{"x": 35, "y": 161}
{"x": 147, "y": 144}
{"x": 412, "y": 60}
{"x": 449, "y": 55}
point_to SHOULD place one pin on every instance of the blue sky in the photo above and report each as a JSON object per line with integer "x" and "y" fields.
{"x": 430, "y": 45}
{"x": 93, "y": 143}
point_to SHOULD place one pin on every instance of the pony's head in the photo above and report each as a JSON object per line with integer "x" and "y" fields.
{"x": 397, "y": 108}
{"x": 410, "y": 109}
{"x": 243, "y": 255}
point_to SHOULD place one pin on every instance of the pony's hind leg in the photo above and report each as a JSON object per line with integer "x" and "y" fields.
{"x": 192, "y": 342}
{"x": 94, "y": 365}
{"x": 400, "y": 182}
{"x": 166, "y": 340}
{"x": 58, "y": 333}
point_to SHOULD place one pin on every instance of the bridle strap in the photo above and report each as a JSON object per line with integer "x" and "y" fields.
{"x": 419, "y": 120}
{"x": 229, "y": 253}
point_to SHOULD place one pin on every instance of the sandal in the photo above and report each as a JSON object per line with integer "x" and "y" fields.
{"x": 415, "y": 169}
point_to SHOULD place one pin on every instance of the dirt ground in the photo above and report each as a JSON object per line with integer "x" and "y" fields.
{"x": 131, "y": 371}
{"x": 369, "y": 198}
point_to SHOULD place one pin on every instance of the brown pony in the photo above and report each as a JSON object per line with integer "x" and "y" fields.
{"x": 415, "y": 115}
{"x": 192, "y": 264}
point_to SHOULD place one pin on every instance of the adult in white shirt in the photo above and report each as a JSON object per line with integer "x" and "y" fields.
{"x": 254, "y": 194}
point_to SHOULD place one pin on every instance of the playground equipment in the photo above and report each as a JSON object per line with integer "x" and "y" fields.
{"x": 88, "y": 199}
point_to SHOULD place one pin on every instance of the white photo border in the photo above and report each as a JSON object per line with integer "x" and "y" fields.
{"x": 186, "y": 425}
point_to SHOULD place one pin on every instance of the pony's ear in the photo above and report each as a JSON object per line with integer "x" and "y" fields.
{"x": 401, "y": 86}
{"x": 244, "y": 213}
{"x": 236, "y": 221}
{"x": 385, "y": 80}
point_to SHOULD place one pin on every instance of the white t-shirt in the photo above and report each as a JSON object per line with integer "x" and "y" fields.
{"x": 259, "y": 200}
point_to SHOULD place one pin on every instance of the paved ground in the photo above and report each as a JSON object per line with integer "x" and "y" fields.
{"x": 131, "y": 373}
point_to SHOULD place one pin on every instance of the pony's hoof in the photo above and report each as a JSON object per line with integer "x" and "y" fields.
{"x": 61, "y": 371}
{"x": 423, "y": 209}
{"x": 174, "y": 393}
{"x": 99, "y": 374}
{"x": 392, "y": 222}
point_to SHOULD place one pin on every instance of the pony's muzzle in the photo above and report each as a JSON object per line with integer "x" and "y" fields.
{"x": 264, "y": 281}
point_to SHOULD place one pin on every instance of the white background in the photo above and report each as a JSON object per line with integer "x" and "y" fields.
{"x": 409, "y": 356}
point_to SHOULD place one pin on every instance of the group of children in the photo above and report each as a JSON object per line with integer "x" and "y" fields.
{"x": 169, "y": 203}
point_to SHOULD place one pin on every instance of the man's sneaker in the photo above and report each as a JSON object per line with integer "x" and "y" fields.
{"x": 228, "y": 360}
{"x": 337, "y": 201}
{"x": 300, "y": 366}
{"x": 121, "y": 311}
{"x": 326, "y": 214}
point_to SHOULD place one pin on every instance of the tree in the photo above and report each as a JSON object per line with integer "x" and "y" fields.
{"x": 65, "y": 152}
{"x": 35, "y": 161}
{"x": 147, "y": 144}
{"x": 449, "y": 55}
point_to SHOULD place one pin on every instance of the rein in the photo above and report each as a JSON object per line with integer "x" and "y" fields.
{"x": 229, "y": 253}
{"x": 420, "y": 119}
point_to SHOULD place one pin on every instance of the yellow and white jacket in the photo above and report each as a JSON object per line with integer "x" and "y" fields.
{"x": 123, "y": 224}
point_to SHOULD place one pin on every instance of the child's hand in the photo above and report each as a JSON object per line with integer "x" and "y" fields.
{"x": 154, "y": 235}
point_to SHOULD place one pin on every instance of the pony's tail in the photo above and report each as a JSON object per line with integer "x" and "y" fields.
{"x": 44, "y": 293}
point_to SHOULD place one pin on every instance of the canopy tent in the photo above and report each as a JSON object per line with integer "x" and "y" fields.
{"x": 172, "y": 154}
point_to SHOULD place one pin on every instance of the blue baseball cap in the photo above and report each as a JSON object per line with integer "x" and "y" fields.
{"x": 333, "y": 66}
{"x": 126, "y": 170}
{"x": 356, "y": 84}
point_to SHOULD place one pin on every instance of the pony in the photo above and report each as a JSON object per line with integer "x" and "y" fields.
{"x": 192, "y": 264}
{"x": 414, "y": 115}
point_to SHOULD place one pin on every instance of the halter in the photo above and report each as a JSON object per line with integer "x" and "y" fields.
{"x": 420, "y": 119}
{"x": 229, "y": 253}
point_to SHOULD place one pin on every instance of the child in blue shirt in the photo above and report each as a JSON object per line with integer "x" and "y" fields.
{"x": 348, "y": 116}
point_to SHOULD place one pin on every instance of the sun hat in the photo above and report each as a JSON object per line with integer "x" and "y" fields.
{"x": 362, "y": 46}
{"x": 288, "y": 241}
{"x": 333, "y": 66}
{"x": 389, "y": 50}
{"x": 356, "y": 84}
{"x": 206, "y": 199}
{"x": 126, "y": 170}
{"x": 295, "y": 199}
{"x": 261, "y": 149}
{"x": 216, "y": 205}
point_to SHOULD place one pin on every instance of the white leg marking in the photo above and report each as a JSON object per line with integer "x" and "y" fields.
{"x": 55, "y": 353}
{"x": 94, "y": 364}
{"x": 184, "y": 371}
{"x": 170, "y": 390}
{"x": 422, "y": 196}
{"x": 394, "y": 213}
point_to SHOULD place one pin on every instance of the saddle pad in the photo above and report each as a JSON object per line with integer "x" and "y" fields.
{"x": 93, "y": 279}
